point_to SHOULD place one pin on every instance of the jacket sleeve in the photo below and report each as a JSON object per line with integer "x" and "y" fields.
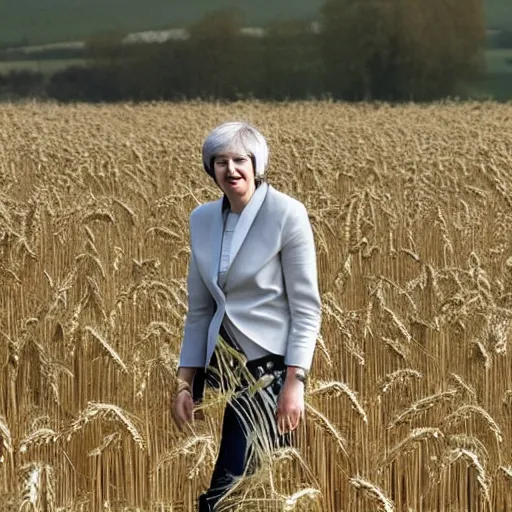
{"x": 298, "y": 257}
{"x": 197, "y": 320}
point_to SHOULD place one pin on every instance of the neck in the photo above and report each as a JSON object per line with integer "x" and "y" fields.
{"x": 238, "y": 203}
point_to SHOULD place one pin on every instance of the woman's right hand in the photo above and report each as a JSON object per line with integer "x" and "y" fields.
{"x": 183, "y": 409}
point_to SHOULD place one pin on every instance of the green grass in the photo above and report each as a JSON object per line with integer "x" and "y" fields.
{"x": 492, "y": 87}
{"x": 499, "y": 60}
{"x": 497, "y": 82}
{"x": 46, "y": 21}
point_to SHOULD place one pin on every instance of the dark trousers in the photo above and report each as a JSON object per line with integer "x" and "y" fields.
{"x": 249, "y": 428}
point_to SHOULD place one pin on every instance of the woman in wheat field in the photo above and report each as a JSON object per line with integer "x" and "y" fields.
{"x": 252, "y": 281}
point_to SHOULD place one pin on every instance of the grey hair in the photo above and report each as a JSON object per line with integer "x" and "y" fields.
{"x": 236, "y": 136}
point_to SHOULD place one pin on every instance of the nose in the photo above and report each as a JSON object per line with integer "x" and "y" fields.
{"x": 231, "y": 166}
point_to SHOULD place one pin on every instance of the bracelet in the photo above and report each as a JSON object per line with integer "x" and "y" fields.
{"x": 183, "y": 385}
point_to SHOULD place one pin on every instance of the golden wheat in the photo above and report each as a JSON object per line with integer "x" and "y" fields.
{"x": 412, "y": 381}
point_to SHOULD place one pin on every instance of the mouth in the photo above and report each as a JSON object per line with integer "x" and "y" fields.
{"x": 233, "y": 180}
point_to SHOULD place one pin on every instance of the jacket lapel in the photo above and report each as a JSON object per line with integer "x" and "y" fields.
{"x": 216, "y": 242}
{"x": 245, "y": 222}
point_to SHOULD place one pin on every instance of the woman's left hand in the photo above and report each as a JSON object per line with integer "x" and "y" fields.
{"x": 290, "y": 405}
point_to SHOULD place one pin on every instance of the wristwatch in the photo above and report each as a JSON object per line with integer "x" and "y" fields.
{"x": 301, "y": 374}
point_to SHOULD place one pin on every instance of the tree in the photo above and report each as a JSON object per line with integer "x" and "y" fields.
{"x": 217, "y": 45}
{"x": 220, "y": 24}
{"x": 105, "y": 48}
{"x": 291, "y": 64}
{"x": 288, "y": 28}
{"x": 401, "y": 49}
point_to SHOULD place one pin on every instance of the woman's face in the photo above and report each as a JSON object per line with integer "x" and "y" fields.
{"x": 234, "y": 173}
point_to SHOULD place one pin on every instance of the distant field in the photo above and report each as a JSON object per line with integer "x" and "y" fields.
{"x": 499, "y": 60}
{"x": 48, "y": 21}
{"x": 497, "y": 83}
{"x": 493, "y": 87}
{"x": 46, "y": 67}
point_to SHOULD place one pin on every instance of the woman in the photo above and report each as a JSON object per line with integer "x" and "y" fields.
{"x": 252, "y": 278}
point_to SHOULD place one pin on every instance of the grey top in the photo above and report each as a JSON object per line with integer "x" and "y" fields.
{"x": 249, "y": 347}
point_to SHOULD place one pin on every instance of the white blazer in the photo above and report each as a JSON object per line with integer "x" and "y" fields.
{"x": 271, "y": 292}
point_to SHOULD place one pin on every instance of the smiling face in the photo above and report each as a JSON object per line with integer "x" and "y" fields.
{"x": 234, "y": 173}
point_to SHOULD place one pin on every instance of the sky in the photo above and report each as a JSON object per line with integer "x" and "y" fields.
{"x": 45, "y": 21}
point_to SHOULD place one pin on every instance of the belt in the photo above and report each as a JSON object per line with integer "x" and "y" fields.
{"x": 265, "y": 365}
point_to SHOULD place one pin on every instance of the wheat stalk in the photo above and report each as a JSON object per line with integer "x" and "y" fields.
{"x": 38, "y": 437}
{"x": 324, "y": 423}
{"x": 203, "y": 448}
{"x": 5, "y": 436}
{"x": 38, "y": 491}
{"x": 470, "y": 391}
{"x": 415, "y": 277}
{"x": 417, "y": 435}
{"x": 507, "y": 470}
{"x": 339, "y": 388}
{"x": 292, "y": 501}
{"x": 100, "y": 216}
{"x": 108, "y": 442}
{"x": 469, "y": 443}
{"x": 109, "y": 350}
{"x": 474, "y": 461}
{"x": 107, "y": 412}
{"x": 374, "y": 492}
{"x": 398, "y": 377}
{"x": 422, "y": 405}
{"x": 465, "y": 411}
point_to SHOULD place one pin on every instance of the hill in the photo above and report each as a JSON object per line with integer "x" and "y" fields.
{"x": 46, "y": 21}
{"x": 43, "y": 21}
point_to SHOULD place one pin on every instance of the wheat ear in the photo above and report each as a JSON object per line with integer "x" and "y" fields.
{"x": 374, "y": 492}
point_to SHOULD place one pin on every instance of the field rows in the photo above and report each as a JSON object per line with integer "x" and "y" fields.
{"x": 410, "y": 403}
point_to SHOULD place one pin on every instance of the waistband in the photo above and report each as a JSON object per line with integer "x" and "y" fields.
{"x": 265, "y": 365}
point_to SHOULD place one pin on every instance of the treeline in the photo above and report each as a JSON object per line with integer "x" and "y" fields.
{"x": 228, "y": 68}
{"x": 388, "y": 50}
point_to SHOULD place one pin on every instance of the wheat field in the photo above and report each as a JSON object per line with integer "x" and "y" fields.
{"x": 409, "y": 407}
